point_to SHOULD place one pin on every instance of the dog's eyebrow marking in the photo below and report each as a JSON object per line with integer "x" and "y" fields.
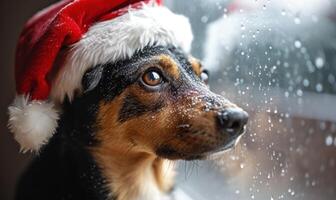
{"x": 169, "y": 65}
{"x": 196, "y": 65}
{"x": 132, "y": 107}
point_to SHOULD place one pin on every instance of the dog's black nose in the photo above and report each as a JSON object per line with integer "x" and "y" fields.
{"x": 232, "y": 120}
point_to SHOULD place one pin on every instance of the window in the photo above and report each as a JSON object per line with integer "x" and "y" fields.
{"x": 277, "y": 60}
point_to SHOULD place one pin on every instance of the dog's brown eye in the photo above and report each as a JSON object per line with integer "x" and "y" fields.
{"x": 205, "y": 76}
{"x": 152, "y": 78}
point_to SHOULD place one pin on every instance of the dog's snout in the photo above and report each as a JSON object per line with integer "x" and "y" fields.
{"x": 232, "y": 120}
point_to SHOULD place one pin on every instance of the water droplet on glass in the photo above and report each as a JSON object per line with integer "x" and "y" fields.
{"x": 319, "y": 87}
{"x": 283, "y": 12}
{"x": 204, "y": 19}
{"x": 297, "y": 44}
{"x": 319, "y": 62}
{"x": 286, "y": 94}
{"x": 329, "y": 140}
{"x": 299, "y": 93}
{"x": 305, "y": 82}
{"x": 297, "y": 20}
{"x": 311, "y": 67}
{"x": 323, "y": 125}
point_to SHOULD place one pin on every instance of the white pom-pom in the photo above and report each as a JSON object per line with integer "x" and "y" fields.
{"x": 32, "y": 122}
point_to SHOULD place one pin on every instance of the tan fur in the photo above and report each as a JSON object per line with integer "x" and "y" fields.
{"x": 169, "y": 65}
{"x": 164, "y": 173}
{"x": 132, "y": 170}
{"x": 196, "y": 65}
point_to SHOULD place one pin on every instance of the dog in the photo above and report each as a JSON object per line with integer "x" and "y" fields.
{"x": 135, "y": 117}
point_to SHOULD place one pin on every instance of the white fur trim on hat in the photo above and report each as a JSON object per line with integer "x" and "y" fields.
{"x": 32, "y": 122}
{"x": 118, "y": 39}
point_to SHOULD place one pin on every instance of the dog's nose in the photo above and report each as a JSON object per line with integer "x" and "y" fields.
{"x": 232, "y": 120}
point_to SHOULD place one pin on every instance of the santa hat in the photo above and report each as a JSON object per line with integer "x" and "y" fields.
{"x": 90, "y": 32}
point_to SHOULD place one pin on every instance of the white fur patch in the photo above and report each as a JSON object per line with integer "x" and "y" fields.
{"x": 119, "y": 39}
{"x": 32, "y": 122}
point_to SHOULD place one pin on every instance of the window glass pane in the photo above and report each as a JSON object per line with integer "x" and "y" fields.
{"x": 277, "y": 60}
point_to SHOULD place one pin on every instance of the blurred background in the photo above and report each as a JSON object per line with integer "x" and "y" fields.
{"x": 276, "y": 59}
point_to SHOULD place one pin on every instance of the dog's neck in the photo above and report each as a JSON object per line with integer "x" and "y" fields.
{"x": 135, "y": 175}
{"x": 128, "y": 174}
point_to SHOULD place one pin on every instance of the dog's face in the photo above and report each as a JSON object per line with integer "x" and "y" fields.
{"x": 158, "y": 102}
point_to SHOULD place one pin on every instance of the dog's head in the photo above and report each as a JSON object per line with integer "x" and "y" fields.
{"x": 159, "y": 102}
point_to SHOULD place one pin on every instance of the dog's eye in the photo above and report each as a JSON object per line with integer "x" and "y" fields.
{"x": 205, "y": 76}
{"x": 152, "y": 78}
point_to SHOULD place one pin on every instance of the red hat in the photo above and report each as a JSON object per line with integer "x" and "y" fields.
{"x": 60, "y": 43}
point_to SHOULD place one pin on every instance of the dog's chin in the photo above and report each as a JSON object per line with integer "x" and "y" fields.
{"x": 219, "y": 152}
{"x": 216, "y": 152}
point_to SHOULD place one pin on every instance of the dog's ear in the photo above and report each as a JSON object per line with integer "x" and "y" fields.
{"x": 91, "y": 78}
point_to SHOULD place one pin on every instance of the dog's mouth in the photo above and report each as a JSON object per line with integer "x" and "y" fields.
{"x": 172, "y": 153}
{"x": 229, "y": 146}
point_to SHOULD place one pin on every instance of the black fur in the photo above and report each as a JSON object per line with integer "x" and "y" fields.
{"x": 132, "y": 108}
{"x": 64, "y": 169}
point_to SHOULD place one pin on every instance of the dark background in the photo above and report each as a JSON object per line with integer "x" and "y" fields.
{"x": 13, "y": 14}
